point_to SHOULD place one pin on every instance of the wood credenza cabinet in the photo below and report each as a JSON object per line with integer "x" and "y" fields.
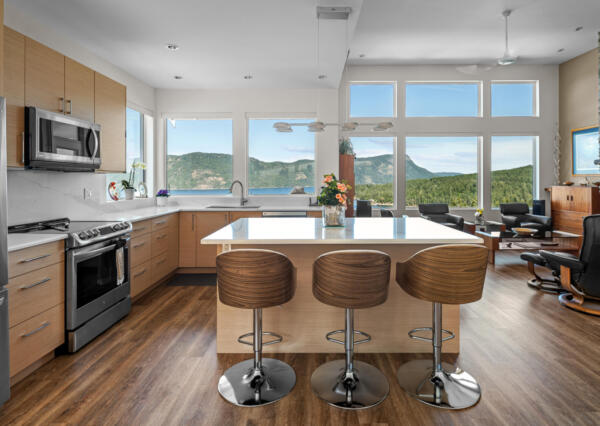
{"x": 570, "y": 204}
{"x": 36, "y": 315}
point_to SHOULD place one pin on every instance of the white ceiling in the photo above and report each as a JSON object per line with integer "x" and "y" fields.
{"x": 276, "y": 40}
{"x": 472, "y": 31}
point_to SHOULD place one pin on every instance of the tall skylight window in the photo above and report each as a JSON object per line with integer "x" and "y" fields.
{"x": 451, "y": 99}
{"x": 372, "y": 100}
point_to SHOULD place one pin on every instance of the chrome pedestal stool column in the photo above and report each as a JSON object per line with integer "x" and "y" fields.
{"x": 350, "y": 279}
{"x": 255, "y": 279}
{"x": 452, "y": 274}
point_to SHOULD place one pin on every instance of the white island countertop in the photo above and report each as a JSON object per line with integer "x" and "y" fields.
{"x": 368, "y": 230}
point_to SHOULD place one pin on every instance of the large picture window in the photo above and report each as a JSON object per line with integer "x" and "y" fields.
{"x": 279, "y": 162}
{"x": 372, "y": 100}
{"x": 513, "y": 169}
{"x": 441, "y": 170}
{"x": 199, "y": 156}
{"x": 433, "y": 99}
{"x": 374, "y": 169}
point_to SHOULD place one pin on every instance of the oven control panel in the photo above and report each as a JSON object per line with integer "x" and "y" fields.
{"x": 100, "y": 233}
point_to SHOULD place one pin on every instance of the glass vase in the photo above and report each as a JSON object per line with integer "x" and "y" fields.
{"x": 334, "y": 215}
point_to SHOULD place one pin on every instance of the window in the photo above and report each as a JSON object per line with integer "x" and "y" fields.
{"x": 443, "y": 99}
{"x": 513, "y": 169}
{"x": 374, "y": 169}
{"x": 442, "y": 170}
{"x": 134, "y": 151}
{"x": 199, "y": 156}
{"x": 373, "y": 100}
{"x": 277, "y": 161}
{"x": 514, "y": 99}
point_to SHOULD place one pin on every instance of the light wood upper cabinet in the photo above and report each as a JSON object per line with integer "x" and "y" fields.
{"x": 14, "y": 91}
{"x": 44, "y": 77}
{"x": 79, "y": 90}
{"x": 110, "y": 100}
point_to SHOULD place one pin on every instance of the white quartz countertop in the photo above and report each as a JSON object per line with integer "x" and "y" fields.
{"x": 368, "y": 230}
{"x": 23, "y": 241}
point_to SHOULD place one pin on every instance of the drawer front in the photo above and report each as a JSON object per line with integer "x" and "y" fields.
{"x": 313, "y": 213}
{"x": 160, "y": 267}
{"x": 568, "y": 221}
{"x": 34, "y": 338}
{"x": 160, "y": 242}
{"x": 29, "y": 259}
{"x": 141, "y": 228}
{"x": 35, "y": 292}
{"x": 162, "y": 222}
{"x": 141, "y": 278}
{"x": 140, "y": 249}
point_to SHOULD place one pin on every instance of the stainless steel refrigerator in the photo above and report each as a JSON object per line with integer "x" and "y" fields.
{"x": 4, "y": 378}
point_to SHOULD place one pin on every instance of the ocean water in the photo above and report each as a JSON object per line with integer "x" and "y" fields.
{"x": 252, "y": 191}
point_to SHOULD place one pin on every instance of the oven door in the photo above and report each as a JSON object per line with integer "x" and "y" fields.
{"x": 97, "y": 278}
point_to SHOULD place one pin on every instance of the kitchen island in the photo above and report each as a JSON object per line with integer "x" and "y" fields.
{"x": 304, "y": 321}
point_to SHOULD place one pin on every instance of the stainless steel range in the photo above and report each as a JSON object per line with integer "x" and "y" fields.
{"x": 97, "y": 274}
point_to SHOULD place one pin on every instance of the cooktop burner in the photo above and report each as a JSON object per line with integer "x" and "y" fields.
{"x": 80, "y": 233}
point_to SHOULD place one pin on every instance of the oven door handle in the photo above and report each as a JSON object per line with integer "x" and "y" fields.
{"x": 79, "y": 257}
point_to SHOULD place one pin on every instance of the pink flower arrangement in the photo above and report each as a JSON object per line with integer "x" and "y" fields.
{"x": 333, "y": 192}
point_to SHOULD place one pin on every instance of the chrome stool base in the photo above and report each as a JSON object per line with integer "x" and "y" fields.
{"x": 450, "y": 388}
{"x": 243, "y": 386}
{"x": 328, "y": 383}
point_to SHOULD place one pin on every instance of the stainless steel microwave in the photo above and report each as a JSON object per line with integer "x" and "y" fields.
{"x": 54, "y": 141}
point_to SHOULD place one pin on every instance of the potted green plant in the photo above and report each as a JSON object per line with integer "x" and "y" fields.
{"x": 127, "y": 184}
{"x": 333, "y": 198}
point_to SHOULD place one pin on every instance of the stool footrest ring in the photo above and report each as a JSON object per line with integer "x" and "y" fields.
{"x": 278, "y": 338}
{"x": 367, "y": 337}
{"x": 412, "y": 335}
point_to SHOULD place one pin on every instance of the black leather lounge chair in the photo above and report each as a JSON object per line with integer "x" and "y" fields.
{"x": 439, "y": 213}
{"x": 516, "y": 215}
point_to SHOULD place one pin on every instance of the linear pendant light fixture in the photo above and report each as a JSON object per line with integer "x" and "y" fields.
{"x": 319, "y": 126}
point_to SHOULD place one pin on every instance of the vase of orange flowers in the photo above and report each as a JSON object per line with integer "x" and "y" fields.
{"x": 333, "y": 198}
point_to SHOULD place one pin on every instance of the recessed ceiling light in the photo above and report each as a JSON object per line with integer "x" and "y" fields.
{"x": 178, "y": 77}
{"x": 578, "y": 28}
{"x": 248, "y": 77}
{"x": 172, "y": 46}
{"x": 561, "y": 50}
{"x": 362, "y": 55}
{"x": 321, "y": 76}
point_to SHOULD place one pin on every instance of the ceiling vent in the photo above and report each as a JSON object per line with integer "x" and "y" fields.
{"x": 339, "y": 13}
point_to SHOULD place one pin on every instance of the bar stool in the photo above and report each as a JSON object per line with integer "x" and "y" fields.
{"x": 350, "y": 279}
{"x": 449, "y": 274}
{"x": 256, "y": 279}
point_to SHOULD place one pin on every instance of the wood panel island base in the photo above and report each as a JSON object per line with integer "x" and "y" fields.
{"x": 304, "y": 321}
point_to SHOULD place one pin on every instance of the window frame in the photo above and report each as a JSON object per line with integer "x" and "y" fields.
{"x": 394, "y": 84}
{"x": 278, "y": 117}
{"x": 535, "y": 190}
{"x": 535, "y": 98}
{"x": 395, "y": 138}
{"x": 480, "y": 147}
{"x": 165, "y": 117}
{"x": 480, "y": 99}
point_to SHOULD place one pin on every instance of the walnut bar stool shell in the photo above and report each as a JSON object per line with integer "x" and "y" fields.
{"x": 351, "y": 279}
{"x": 449, "y": 274}
{"x": 256, "y": 279}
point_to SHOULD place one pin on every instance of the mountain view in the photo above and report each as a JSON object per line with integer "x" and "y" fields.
{"x": 374, "y": 177}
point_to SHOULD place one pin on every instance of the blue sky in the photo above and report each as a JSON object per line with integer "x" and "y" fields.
{"x": 266, "y": 144}
{"x": 444, "y": 154}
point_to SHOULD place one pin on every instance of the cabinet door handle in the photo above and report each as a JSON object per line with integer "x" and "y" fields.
{"x": 40, "y": 328}
{"x": 193, "y": 222}
{"x": 161, "y": 261}
{"x": 23, "y": 148}
{"x": 160, "y": 237}
{"x": 28, "y": 286}
{"x": 142, "y": 272}
{"x": 32, "y": 259}
{"x": 62, "y": 105}
{"x": 160, "y": 222}
{"x": 140, "y": 229}
{"x": 139, "y": 245}
{"x": 70, "y": 107}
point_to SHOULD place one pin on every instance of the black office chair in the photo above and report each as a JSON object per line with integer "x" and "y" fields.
{"x": 579, "y": 275}
{"x": 515, "y": 215}
{"x": 363, "y": 208}
{"x": 440, "y": 213}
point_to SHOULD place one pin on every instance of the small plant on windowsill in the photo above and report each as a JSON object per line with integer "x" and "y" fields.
{"x": 162, "y": 197}
{"x": 127, "y": 184}
{"x": 333, "y": 198}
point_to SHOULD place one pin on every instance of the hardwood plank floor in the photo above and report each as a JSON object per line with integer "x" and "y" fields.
{"x": 537, "y": 363}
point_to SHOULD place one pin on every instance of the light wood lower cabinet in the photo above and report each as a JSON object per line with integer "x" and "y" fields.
{"x": 141, "y": 278}
{"x": 36, "y": 337}
{"x": 29, "y": 259}
{"x": 140, "y": 250}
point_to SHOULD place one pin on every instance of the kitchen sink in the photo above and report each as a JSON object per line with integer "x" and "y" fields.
{"x": 230, "y": 206}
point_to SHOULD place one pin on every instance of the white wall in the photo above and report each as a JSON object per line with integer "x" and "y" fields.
{"x": 546, "y": 125}
{"x": 34, "y": 195}
{"x": 239, "y": 104}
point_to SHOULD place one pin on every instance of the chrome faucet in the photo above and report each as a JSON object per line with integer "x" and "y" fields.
{"x": 242, "y": 199}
